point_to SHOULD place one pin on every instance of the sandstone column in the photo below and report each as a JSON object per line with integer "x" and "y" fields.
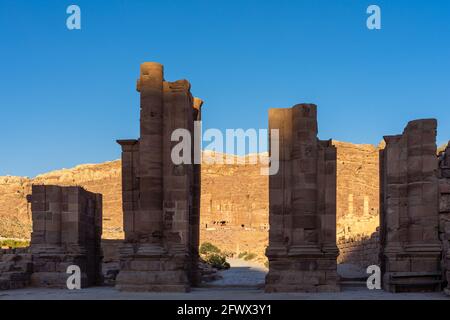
{"x": 302, "y": 248}
{"x": 160, "y": 198}
{"x": 409, "y": 203}
{"x": 444, "y": 212}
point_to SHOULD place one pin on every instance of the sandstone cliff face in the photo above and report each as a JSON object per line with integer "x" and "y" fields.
{"x": 234, "y": 200}
{"x": 15, "y": 216}
{"x": 234, "y": 211}
{"x": 105, "y": 178}
{"x": 357, "y": 203}
{"x": 357, "y": 189}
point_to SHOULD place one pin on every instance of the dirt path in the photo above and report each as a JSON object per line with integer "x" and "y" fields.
{"x": 242, "y": 274}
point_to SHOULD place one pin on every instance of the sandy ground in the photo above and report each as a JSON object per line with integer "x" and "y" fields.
{"x": 244, "y": 281}
{"x": 241, "y": 274}
{"x": 108, "y": 293}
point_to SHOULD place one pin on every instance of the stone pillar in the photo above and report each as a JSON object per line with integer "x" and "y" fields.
{"x": 444, "y": 212}
{"x": 411, "y": 249}
{"x": 67, "y": 229}
{"x": 302, "y": 248}
{"x": 160, "y": 198}
{"x": 194, "y": 220}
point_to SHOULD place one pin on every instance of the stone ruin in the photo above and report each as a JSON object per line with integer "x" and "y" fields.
{"x": 161, "y": 200}
{"x": 411, "y": 250}
{"x": 302, "y": 248}
{"x": 67, "y": 228}
{"x": 161, "y": 203}
{"x": 444, "y": 212}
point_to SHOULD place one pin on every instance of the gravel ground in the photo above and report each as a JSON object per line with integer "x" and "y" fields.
{"x": 108, "y": 293}
{"x": 241, "y": 274}
{"x": 249, "y": 276}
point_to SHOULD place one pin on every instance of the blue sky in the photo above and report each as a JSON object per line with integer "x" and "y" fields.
{"x": 66, "y": 96}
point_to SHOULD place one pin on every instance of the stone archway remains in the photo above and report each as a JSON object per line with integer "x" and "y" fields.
{"x": 161, "y": 200}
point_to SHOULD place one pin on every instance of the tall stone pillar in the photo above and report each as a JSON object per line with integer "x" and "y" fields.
{"x": 160, "y": 197}
{"x": 411, "y": 251}
{"x": 444, "y": 212}
{"x": 302, "y": 248}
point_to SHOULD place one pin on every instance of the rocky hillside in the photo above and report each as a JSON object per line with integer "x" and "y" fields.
{"x": 234, "y": 212}
{"x": 357, "y": 189}
{"x": 234, "y": 206}
{"x": 105, "y": 178}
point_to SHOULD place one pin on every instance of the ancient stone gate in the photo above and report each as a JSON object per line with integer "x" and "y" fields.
{"x": 161, "y": 201}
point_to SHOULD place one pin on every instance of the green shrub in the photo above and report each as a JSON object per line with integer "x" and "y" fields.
{"x": 247, "y": 255}
{"x": 242, "y": 255}
{"x": 208, "y": 248}
{"x": 14, "y": 243}
{"x": 217, "y": 261}
{"x": 250, "y": 256}
{"x": 227, "y": 254}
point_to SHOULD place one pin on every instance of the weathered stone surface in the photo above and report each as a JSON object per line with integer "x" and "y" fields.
{"x": 15, "y": 269}
{"x": 444, "y": 211}
{"x": 67, "y": 228}
{"x": 160, "y": 198}
{"x": 411, "y": 250}
{"x": 302, "y": 248}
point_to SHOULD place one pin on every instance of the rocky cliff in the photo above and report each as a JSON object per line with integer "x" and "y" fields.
{"x": 234, "y": 200}
{"x": 105, "y": 178}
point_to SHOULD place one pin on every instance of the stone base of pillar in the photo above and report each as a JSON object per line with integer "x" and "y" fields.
{"x": 447, "y": 290}
{"x": 146, "y": 267}
{"x": 302, "y": 270}
{"x": 50, "y": 265}
{"x": 414, "y": 269}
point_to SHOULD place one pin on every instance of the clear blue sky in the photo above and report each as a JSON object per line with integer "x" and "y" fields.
{"x": 66, "y": 96}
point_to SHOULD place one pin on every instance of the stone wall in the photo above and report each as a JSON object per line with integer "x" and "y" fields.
{"x": 362, "y": 251}
{"x": 16, "y": 267}
{"x": 67, "y": 228}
